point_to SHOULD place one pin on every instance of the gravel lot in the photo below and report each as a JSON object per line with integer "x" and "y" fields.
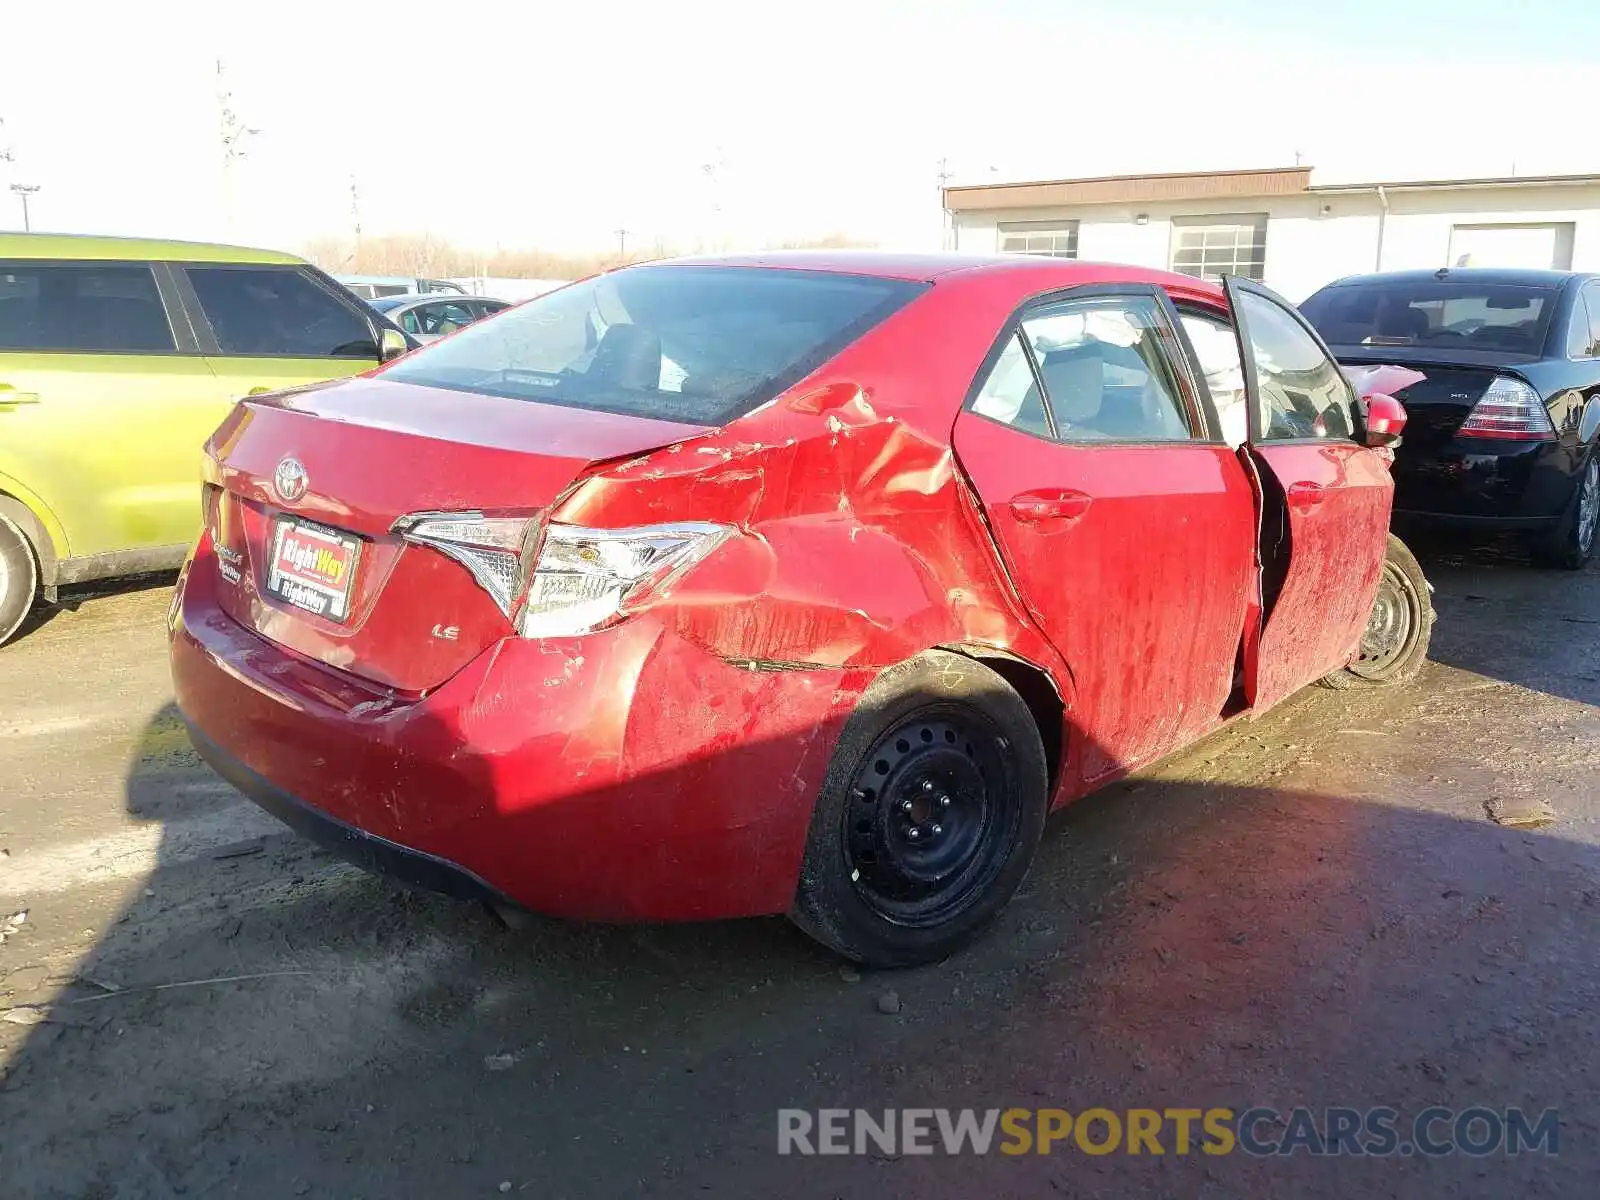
{"x": 1310, "y": 909}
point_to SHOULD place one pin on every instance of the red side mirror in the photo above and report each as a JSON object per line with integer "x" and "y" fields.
{"x": 1386, "y": 418}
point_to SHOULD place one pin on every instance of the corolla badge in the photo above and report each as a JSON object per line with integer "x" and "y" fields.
{"x": 289, "y": 480}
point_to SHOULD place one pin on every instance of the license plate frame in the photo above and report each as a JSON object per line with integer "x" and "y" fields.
{"x": 306, "y": 587}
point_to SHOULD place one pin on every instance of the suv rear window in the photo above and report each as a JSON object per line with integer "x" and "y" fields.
{"x": 103, "y": 308}
{"x": 1443, "y": 315}
{"x": 699, "y": 345}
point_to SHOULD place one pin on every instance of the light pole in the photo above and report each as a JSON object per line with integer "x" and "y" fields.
{"x": 23, "y": 191}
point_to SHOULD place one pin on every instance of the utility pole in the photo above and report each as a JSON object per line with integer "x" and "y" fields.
{"x": 713, "y": 171}
{"x": 355, "y": 218}
{"x": 231, "y": 133}
{"x": 23, "y": 191}
{"x": 945, "y": 224}
{"x": 622, "y": 244}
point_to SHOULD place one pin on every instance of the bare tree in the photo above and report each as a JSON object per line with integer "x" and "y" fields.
{"x": 430, "y": 256}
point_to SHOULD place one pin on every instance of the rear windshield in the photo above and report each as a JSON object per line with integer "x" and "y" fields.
{"x": 1504, "y": 317}
{"x": 699, "y": 345}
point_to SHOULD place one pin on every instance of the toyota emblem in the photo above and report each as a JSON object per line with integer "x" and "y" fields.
{"x": 289, "y": 480}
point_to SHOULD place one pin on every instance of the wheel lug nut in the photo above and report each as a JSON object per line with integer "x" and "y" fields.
{"x": 913, "y": 833}
{"x": 927, "y": 785}
{"x": 937, "y": 830}
{"x": 944, "y": 801}
{"x": 906, "y": 806}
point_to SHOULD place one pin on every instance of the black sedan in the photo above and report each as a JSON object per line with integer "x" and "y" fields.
{"x": 1501, "y": 432}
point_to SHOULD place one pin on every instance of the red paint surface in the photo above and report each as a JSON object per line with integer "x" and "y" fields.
{"x": 1339, "y": 495}
{"x": 650, "y": 770}
{"x": 1142, "y": 590}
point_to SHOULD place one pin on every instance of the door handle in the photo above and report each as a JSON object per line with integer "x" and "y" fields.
{"x": 1306, "y": 493}
{"x": 10, "y": 397}
{"x": 1052, "y": 504}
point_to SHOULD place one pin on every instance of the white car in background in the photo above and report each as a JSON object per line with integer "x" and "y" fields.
{"x": 431, "y": 317}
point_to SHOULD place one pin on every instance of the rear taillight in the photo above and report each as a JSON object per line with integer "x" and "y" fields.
{"x": 491, "y": 548}
{"x": 1511, "y": 411}
{"x": 584, "y": 579}
{"x": 562, "y": 580}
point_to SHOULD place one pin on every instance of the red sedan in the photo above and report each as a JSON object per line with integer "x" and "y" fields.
{"x": 784, "y": 584}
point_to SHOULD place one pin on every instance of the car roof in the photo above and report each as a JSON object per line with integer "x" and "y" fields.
{"x": 1525, "y": 276}
{"x": 1040, "y": 270}
{"x": 94, "y": 248}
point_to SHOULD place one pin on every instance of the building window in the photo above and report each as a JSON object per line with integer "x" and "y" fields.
{"x": 1211, "y": 247}
{"x": 1058, "y": 239}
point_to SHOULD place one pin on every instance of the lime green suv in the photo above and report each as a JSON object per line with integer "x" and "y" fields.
{"x": 118, "y": 358}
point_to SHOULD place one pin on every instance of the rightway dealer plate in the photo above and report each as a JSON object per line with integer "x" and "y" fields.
{"x": 313, "y": 568}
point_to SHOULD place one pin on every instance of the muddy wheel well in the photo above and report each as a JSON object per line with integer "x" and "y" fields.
{"x": 1037, "y": 692}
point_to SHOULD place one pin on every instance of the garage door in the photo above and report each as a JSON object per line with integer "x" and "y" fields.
{"x": 1540, "y": 246}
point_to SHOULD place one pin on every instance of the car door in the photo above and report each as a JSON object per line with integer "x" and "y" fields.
{"x": 102, "y": 395}
{"x": 1325, "y": 503}
{"x": 266, "y": 327}
{"x": 1126, "y": 524}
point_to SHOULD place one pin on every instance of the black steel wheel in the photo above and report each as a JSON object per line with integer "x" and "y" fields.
{"x": 929, "y": 817}
{"x": 928, "y": 823}
{"x": 1394, "y": 644}
{"x": 1392, "y": 625}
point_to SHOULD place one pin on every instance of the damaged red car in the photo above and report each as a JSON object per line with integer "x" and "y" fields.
{"x": 799, "y": 584}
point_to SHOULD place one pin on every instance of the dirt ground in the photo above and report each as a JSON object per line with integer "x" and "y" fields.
{"x": 1311, "y": 909}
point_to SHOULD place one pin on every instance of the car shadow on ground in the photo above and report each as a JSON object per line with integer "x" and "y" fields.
{"x": 1502, "y": 617}
{"x": 264, "y": 1021}
{"x": 73, "y": 596}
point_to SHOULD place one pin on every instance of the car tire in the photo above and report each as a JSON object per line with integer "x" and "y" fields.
{"x": 1571, "y": 546}
{"x": 19, "y": 578}
{"x": 1395, "y": 643}
{"x": 929, "y": 816}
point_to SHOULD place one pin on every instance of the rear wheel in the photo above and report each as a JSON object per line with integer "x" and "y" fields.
{"x": 929, "y": 816}
{"x": 19, "y": 577}
{"x": 1394, "y": 644}
{"x": 1572, "y": 544}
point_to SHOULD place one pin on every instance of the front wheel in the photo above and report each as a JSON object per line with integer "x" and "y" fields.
{"x": 929, "y": 816}
{"x": 1572, "y": 544}
{"x": 1394, "y": 644}
{"x": 19, "y": 578}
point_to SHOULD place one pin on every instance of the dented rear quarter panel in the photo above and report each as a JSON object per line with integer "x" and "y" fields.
{"x": 857, "y": 541}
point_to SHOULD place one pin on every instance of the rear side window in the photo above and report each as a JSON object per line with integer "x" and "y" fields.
{"x": 278, "y": 313}
{"x": 1105, "y": 366}
{"x": 1584, "y": 336}
{"x": 700, "y": 345}
{"x": 97, "y": 308}
{"x": 1439, "y": 314}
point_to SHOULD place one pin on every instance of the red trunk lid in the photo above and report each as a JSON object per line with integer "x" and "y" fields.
{"x": 373, "y": 451}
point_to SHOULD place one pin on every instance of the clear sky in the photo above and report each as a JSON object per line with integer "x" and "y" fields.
{"x": 553, "y": 124}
